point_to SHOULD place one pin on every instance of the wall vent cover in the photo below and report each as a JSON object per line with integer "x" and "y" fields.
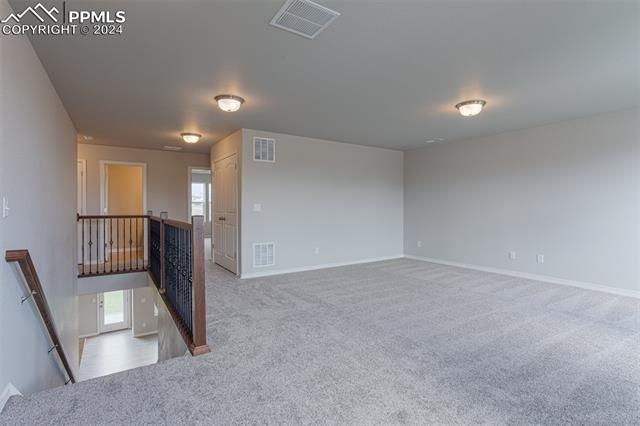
{"x": 264, "y": 254}
{"x": 303, "y": 17}
{"x": 264, "y": 149}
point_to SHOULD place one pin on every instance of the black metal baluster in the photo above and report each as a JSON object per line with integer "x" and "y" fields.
{"x": 110, "y": 244}
{"x": 90, "y": 244}
{"x": 130, "y": 244}
{"x": 118, "y": 244}
{"x": 104, "y": 246}
{"x": 97, "y": 247}
{"x": 82, "y": 245}
{"x": 137, "y": 244}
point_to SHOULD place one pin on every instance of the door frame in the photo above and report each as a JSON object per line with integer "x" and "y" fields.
{"x": 127, "y": 299}
{"x": 239, "y": 219}
{"x": 104, "y": 183}
{"x": 190, "y": 170}
{"x": 104, "y": 186}
{"x": 83, "y": 191}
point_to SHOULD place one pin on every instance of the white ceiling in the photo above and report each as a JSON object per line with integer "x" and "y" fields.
{"x": 385, "y": 73}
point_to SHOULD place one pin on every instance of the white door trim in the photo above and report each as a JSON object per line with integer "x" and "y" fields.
{"x": 103, "y": 183}
{"x": 83, "y": 193}
{"x": 102, "y": 328}
{"x": 190, "y": 170}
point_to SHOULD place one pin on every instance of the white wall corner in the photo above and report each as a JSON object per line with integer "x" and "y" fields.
{"x": 8, "y": 391}
{"x": 535, "y": 277}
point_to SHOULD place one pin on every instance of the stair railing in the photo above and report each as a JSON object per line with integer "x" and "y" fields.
{"x": 111, "y": 244}
{"x": 23, "y": 258}
{"x": 176, "y": 266}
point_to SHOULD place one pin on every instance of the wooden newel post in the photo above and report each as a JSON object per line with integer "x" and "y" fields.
{"x": 199, "y": 304}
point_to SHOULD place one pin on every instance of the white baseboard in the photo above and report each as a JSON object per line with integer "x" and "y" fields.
{"x": 147, "y": 333}
{"x": 7, "y": 393}
{"x": 535, "y": 277}
{"x": 316, "y": 267}
{"x": 84, "y": 336}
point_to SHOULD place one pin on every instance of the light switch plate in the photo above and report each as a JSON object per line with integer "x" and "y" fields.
{"x": 540, "y": 258}
{"x": 257, "y": 207}
{"x": 5, "y": 207}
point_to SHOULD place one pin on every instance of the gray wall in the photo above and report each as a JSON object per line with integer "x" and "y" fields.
{"x": 170, "y": 342}
{"x": 87, "y": 315}
{"x": 344, "y": 199}
{"x": 569, "y": 191}
{"x": 143, "y": 319}
{"x": 37, "y": 174}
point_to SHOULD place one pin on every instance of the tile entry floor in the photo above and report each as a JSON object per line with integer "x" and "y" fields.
{"x": 116, "y": 351}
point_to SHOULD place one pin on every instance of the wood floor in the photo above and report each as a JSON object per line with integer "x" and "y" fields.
{"x": 116, "y": 351}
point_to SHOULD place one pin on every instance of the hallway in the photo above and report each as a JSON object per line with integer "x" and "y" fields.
{"x": 116, "y": 351}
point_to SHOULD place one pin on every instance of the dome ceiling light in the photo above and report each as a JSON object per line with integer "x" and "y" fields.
{"x": 471, "y": 108}
{"x": 191, "y": 137}
{"x": 229, "y": 103}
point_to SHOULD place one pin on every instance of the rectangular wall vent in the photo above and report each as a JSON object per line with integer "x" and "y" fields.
{"x": 264, "y": 149}
{"x": 264, "y": 254}
{"x": 303, "y": 17}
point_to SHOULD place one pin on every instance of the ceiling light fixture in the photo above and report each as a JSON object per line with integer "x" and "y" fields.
{"x": 191, "y": 137}
{"x": 471, "y": 108}
{"x": 434, "y": 140}
{"x": 229, "y": 103}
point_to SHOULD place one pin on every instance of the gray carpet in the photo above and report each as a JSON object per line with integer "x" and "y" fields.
{"x": 400, "y": 341}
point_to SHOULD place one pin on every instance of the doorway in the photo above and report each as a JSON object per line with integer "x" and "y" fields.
{"x": 200, "y": 201}
{"x": 123, "y": 192}
{"x": 123, "y": 188}
{"x": 225, "y": 214}
{"x": 200, "y": 196}
{"x": 114, "y": 310}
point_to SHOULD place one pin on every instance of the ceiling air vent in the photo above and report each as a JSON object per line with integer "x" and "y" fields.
{"x": 264, "y": 149}
{"x": 264, "y": 254}
{"x": 303, "y": 17}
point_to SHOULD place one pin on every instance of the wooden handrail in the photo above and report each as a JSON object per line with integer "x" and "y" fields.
{"x": 23, "y": 258}
{"x": 113, "y": 216}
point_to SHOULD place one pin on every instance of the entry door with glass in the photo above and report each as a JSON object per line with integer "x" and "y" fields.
{"x": 115, "y": 310}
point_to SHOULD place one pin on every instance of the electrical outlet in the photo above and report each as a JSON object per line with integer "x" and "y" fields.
{"x": 419, "y": 243}
{"x": 316, "y": 250}
{"x": 512, "y": 255}
{"x": 540, "y": 258}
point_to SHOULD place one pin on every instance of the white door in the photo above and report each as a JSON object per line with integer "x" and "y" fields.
{"x": 115, "y": 310}
{"x": 225, "y": 217}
